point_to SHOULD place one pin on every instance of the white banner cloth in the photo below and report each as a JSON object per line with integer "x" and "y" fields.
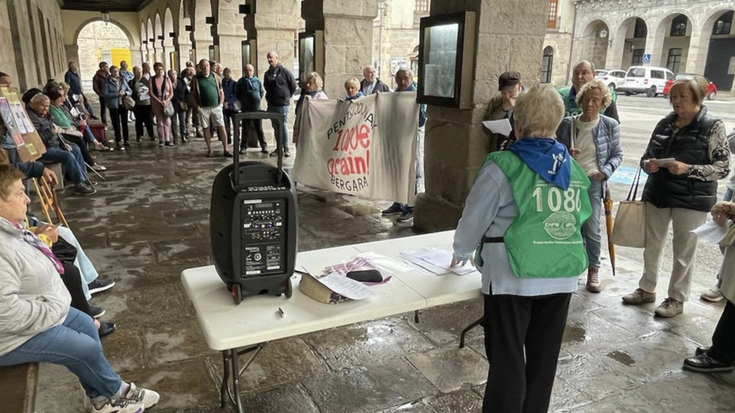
{"x": 365, "y": 147}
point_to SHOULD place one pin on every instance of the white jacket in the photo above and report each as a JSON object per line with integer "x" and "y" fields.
{"x": 33, "y": 297}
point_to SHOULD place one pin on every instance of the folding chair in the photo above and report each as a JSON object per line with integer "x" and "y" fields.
{"x": 47, "y": 198}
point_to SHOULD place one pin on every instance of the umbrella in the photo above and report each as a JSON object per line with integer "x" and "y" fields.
{"x": 609, "y": 223}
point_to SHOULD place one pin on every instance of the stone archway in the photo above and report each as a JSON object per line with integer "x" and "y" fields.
{"x": 158, "y": 39}
{"x": 151, "y": 57}
{"x": 595, "y": 43}
{"x": 629, "y": 44}
{"x": 184, "y": 49}
{"x": 97, "y": 42}
{"x": 717, "y": 38}
{"x": 170, "y": 61}
{"x": 672, "y": 41}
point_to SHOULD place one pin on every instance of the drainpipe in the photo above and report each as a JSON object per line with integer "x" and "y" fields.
{"x": 571, "y": 48}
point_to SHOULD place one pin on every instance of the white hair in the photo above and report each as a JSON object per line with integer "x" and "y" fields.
{"x": 595, "y": 84}
{"x": 539, "y": 111}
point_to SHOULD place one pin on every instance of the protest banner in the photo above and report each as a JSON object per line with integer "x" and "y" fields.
{"x": 365, "y": 147}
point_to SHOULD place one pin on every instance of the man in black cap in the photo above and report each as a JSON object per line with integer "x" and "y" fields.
{"x": 501, "y": 107}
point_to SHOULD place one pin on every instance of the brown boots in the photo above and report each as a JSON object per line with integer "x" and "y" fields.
{"x": 593, "y": 281}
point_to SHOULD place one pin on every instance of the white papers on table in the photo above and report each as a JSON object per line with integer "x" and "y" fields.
{"x": 436, "y": 261}
{"x": 385, "y": 264}
{"x": 501, "y": 127}
{"x": 710, "y": 232}
{"x": 346, "y": 287}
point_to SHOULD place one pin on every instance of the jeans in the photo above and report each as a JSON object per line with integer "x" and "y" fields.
{"x": 74, "y": 344}
{"x": 72, "y": 161}
{"x": 82, "y": 147}
{"x": 284, "y": 111}
{"x": 591, "y": 229}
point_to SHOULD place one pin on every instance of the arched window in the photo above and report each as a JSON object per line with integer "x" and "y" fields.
{"x": 679, "y": 26}
{"x": 723, "y": 24}
{"x": 641, "y": 30}
{"x": 547, "y": 64}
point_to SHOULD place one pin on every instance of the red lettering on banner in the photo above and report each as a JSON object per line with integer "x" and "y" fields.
{"x": 344, "y": 162}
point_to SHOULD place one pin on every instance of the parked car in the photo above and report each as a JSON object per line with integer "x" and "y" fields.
{"x": 711, "y": 88}
{"x": 612, "y": 78}
{"x": 646, "y": 79}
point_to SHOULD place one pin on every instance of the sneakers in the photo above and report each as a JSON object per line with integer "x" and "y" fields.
{"x": 639, "y": 297}
{"x": 712, "y": 295}
{"x": 394, "y": 209}
{"x": 99, "y": 285}
{"x": 99, "y": 168}
{"x": 84, "y": 189}
{"x": 670, "y": 308}
{"x": 97, "y": 312}
{"x": 119, "y": 406}
{"x": 702, "y": 363}
{"x": 593, "y": 281}
{"x": 148, "y": 398}
{"x": 406, "y": 218}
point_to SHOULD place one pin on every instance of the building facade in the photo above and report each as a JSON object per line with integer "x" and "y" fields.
{"x": 691, "y": 36}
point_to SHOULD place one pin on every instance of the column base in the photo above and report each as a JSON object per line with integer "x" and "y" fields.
{"x": 434, "y": 214}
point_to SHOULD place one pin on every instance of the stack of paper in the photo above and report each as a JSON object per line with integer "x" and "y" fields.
{"x": 436, "y": 261}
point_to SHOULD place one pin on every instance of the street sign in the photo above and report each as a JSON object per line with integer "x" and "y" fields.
{"x": 731, "y": 68}
{"x": 647, "y": 59}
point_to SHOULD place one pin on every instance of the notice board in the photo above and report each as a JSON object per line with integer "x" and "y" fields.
{"x": 13, "y": 112}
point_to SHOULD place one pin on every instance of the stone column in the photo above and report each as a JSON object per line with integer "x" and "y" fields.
{"x": 273, "y": 27}
{"x": 72, "y": 53}
{"x": 230, "y": 34}
{"x": 654, "y": 45}
{"x": 615, "y": 51}
{"x": 456, "y": 144}
{"x": 135, "y": 56}
{"x": 698, "y": 48}
{"x": 348, "y": 38}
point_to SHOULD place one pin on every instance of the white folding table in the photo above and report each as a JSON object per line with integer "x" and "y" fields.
{"x": 239, "y": 329}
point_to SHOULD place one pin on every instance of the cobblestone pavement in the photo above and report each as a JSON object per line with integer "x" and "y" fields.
{"x": 149, "y": 221}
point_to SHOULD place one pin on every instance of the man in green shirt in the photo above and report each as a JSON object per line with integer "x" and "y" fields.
{"x": 207, "y": 96}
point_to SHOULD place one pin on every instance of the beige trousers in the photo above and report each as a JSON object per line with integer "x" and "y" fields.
{"x": 685, "y": 248}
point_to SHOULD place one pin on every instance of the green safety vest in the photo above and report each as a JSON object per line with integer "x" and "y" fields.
{"x": 545, "y": 240}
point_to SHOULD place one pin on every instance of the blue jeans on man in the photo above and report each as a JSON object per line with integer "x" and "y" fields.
{"x": 282, "y": 139}
{"x": 76, "y": 345}
{"x": 71, "y": 160}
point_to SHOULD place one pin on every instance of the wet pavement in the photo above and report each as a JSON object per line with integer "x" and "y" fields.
{"x": 149, "y": 221}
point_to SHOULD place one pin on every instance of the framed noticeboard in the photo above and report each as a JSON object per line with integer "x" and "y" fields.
{"x": 19, "y": 126}
{"x": 447, "y": 59}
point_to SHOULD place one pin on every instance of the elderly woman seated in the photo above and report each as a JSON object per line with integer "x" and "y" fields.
{"x": 525, "y": 212}
{"x": 594, "y": 141}
{"x": 36, "y": 322}
{"x": 57, "y": 150}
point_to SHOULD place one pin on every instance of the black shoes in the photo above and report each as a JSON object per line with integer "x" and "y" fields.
{"x": 83, "y": 188}
{"x": 97, "y": 312}
{"x": 99, "y": 285}
{"x": 702, "y": 363}
{"x": 106, "y": 328}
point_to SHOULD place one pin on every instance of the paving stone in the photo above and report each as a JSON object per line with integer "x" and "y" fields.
{"x": 652, "y": 357}
{"x": 291, "y": 398}
{"x": 50, "y": 399}
{"x": 410, "y": 407}
{"x": 565, "y": 397}
{"x": 449, "y": 369}
{"x": 458, "y": 401}
{"x": 175, "y": 341}
{"x": 368, "y": 389}
{"x": 195, "y": 245}
{"x": 152, "y": 304}
{"x": 443, "y": 325}
{"x": 587, "y": 332}
{"x": 153, "y": 234}
{"x": 129, "y": 255}
{"x": 368, "y": 342}
{"x": 181, "y": 385}
{"x": 590, "y": 375}
{"x": 280, "y": 362}
{"x": 124, "y": 349}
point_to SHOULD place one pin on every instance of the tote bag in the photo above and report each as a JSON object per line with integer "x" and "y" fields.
{"x": 630, "y": 221}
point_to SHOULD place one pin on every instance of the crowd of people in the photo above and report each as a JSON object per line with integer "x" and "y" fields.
{"x": 531, "y": 222}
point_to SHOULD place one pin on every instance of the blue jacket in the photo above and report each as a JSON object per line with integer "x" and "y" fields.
{"x": 422, "y": 108}
{"x": 607, "y": 141}
{"x": 111, "y": 92}
{"x": 75, "y": 85}
{"x": 250, "y": 92}
{"x": 228, "y": 86}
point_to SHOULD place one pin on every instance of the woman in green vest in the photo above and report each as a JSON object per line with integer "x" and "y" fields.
{"x": 524, "y": 216}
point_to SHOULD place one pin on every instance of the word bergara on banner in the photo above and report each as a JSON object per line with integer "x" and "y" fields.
{"x": 364, "y": 147}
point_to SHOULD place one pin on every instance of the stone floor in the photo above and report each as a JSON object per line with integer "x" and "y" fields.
{"x": 149, "y": 221}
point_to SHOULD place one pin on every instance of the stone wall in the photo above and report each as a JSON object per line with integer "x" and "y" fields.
{"x": 95, "y": 39}
{"x": 31, "y": 39}
{"x": 561, "y": 43}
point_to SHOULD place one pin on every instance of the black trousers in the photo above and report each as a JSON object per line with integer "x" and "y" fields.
{"x": 723, "y": 339}
{"x": 103, "y": 106}
{"x": 143, "y": 118}
{"x": 247, "y": 124}
{"x": 522, "y": 339}
{"x": 73, "y": 282}
{"x": 119, "y": 119}
{"x": 82, "y": 147}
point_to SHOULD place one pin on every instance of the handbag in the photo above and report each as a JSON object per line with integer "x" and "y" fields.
{"x": 169, "y": 110}
{"x": 128, "y": 102}
{"x": 64, "y": 251}
{"x": 630, "y": 221}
